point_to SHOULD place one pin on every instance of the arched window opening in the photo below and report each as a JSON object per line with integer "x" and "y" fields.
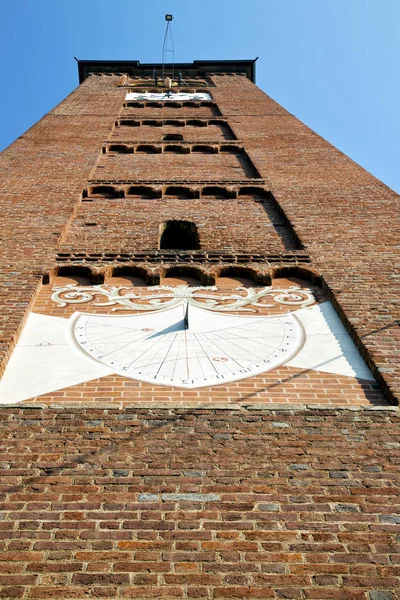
{"x": 183, "y": 275}
{"x": 68, "y": 275}
{"x": 153, "y": 123}
{"x": 120, "y": 149}
{"x": 231, "y": 149}
{"x": 254, "y": 192}
{"x": 174, "y": 123}
{"x": 106, "y": 191}
{"x": 126, "y": 123}
{"x": 145, "y": 149}
{"x": 177, "y": 149}
{"x": 236, "y": 276}
{"x": 287, "y": 276}
{"x": 133, "y": 105}
{"x": 143, "y": 191}
{"x": 181, "y": 192}
{"x": 173, "y": 137}
{"x": 213, "y": 191}
{"x": 205, "y": 149}
{"x": 179, "y": 235}
{"x": 197, "y": 123}
{"x": 128, "y": 276}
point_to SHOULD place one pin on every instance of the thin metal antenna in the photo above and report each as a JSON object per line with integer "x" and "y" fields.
{"x": 168, "y": 49}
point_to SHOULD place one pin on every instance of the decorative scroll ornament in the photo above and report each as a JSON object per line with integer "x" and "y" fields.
{"x": 166, "y": 297}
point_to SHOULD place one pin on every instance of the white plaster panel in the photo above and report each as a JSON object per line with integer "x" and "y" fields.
{"x": 45, "y": 360}
{"x": 48, "y": 358}
{"x": 328, "y": 347}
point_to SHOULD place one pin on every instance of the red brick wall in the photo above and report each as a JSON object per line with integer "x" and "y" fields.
{"x": 190, "y": 167}
{"x": 169, "y": 112}
{"x": 271, "y": 504}
{"x": 222, "y": 224}
{"x": 190, "y": 133}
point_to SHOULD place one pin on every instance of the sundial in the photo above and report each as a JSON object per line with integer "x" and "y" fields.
{"x": 178, "y": 337}
{"x": 186, "y": 346}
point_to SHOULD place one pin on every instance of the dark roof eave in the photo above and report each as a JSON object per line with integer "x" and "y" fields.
{"x": 135, "y": 68}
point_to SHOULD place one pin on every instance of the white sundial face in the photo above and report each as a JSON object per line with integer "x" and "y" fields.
{"x": 188, "y": 347}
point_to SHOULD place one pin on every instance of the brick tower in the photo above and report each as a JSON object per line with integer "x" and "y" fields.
{"x": 200, "y": 348}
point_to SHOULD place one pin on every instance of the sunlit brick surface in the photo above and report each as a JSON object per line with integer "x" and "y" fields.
{"x": 169, "y": 112}
{"x": 286, "y": 385}
{"x": 222, "y": 224}
{"x": 199, "y": 504}
{"x": 190, "y": 133}
{"x": 222, "y": 167}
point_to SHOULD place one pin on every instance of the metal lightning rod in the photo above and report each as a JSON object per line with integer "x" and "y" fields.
{"x": 166, "y": 50}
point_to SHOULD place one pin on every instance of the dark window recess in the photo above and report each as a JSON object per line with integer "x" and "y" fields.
{"x": 177, "y": 149}
{"x": 106, "y": 191}
{"x": 146, "y": 149}
{"x": 120, "y": 149}
{"x": 205, "y": 149}
{"x": 181, "y": 192}
{"x": 217, "y": 192}
{"x": 179, "y": 235}
{"x": 173, "y": 137}
{"x": 143, "y": 191}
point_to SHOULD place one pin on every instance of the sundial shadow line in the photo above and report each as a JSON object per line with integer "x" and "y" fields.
{"x": 171, "y": 329}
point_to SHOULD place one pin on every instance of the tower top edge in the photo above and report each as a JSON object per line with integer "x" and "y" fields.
{"x": 197, "y": 68}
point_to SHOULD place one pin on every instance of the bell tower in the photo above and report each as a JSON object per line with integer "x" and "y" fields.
{"x": 200, "y": 349}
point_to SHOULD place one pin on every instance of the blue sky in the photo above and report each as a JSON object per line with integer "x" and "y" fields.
{"x": 332, "y": 63}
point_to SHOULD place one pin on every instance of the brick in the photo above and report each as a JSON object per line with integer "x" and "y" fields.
{"x": 193, "y": 497}
{"x": 269, "y": 507}
{"x": 100, "y": 579}
{"x": 12, "y": 592}
{"x": 153, "y": 592}
{"x": 241, "y": 592}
